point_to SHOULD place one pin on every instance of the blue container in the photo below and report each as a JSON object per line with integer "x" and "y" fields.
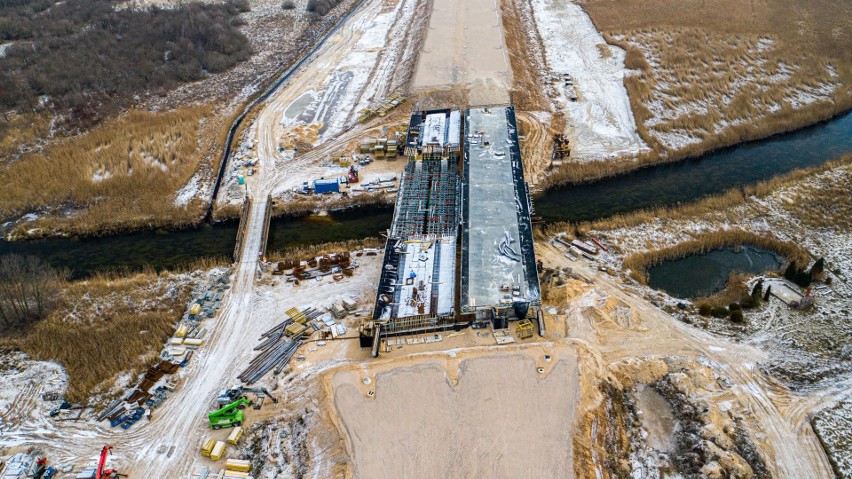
{"x": 326, "y": 186}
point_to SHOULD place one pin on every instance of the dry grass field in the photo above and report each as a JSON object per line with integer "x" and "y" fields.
{"x": 706, "y": 74}
{"x": 123, "y": 174}
{"x": 106, "y": 325}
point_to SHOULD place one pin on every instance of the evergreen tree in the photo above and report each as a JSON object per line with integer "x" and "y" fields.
{"x": 757, "y": 292}
{"x": 790, "y": 272}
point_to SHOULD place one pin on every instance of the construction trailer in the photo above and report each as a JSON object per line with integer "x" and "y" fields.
{"x": 459, "y": 248}
{"x": 324, "y": 185}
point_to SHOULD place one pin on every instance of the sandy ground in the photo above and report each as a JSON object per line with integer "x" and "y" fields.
{"x": 777, "y": 419}
{"x": 465, "y": 46}
{"x": 600, "y": 123}
{"x": 450, "y": 417}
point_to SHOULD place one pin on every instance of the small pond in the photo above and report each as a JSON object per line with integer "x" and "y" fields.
{"x": 704, "y": 274}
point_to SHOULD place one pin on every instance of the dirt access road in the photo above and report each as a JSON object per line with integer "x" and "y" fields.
{"x": 465, "y": 46}
{"x": 370, "y": 57}
{"x": 777, "y": 419}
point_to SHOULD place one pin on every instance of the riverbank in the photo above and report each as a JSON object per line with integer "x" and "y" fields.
{"x": 571, "y": 173}
{"x": 808, "y": 212}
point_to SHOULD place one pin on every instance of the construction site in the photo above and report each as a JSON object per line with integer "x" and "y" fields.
{"x": 455, "y": 342}
{"x": 460, "y": 247}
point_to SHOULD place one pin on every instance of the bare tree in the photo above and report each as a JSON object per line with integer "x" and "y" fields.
{"x": 28, "y": 288}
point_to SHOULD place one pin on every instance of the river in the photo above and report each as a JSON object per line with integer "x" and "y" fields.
{"x": 669, "y": 184}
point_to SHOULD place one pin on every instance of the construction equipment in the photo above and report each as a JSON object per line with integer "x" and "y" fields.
{"x": 227, "y": 396}
{"x": 525, "y": 329}
{"x": 101, "y": 472}
{"x": 230, "y": 415}
{"x": 43, "y": 471}
{"x": 352, "y": 176}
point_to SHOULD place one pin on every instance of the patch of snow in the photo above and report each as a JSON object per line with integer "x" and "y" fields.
{"x": 601, "y": 118}
{"x": 101, "y": 174}
{"x": 4, "y": 47}
{"x": 193, "y": 189}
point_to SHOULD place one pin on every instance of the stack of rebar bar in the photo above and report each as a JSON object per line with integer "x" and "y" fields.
{"x": 276, "y": 349}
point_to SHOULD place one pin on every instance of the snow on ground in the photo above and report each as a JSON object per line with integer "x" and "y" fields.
{"x": 809, "y": 350}
{"x": 600, "y": 122}
{"x": 22, "y": 384}
{"x": 196, "y": 187}
{"x": 835, "y": 428}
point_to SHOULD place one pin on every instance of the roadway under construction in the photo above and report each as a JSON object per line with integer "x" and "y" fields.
{"x": 460, "y": 248}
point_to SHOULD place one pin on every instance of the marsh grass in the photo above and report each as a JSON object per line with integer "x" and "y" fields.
{"x": 121, "y": 175}
{"x": 106, "y": 325}
{"x": 304, "y": 252}
{"x": 721, "y": 72}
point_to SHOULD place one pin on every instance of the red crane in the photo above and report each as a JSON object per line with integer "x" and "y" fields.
{"x": 103, "y": 472}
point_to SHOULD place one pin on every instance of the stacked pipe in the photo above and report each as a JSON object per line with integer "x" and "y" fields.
{"x": 276, "y": 349}
{"x": 276, "y": 357}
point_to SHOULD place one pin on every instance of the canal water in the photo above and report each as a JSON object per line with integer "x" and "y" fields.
{"x": 167, "y": 249}
{"x": 704, "y": 274}
{"x": 655, "y": 186}
{"x": 689, "y": 180}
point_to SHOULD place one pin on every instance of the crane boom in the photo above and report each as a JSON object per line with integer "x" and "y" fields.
{"x": 101, "y": 472}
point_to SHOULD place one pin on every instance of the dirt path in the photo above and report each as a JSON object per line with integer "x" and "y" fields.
{"x": 786, "y": 439}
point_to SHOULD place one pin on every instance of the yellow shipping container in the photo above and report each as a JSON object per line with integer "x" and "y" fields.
{"x": 176, "y": 341}
{"x": 207, "y": 447}
{"x": 193, "y": 342}
{"x": 195, "y": 309}
{"x": 235, "y": 474}
{"x": 218, "y": 451}
{"x": 238, "y": 465}
{"x": 181, "y": 331}
{"x": 235, "y": 436}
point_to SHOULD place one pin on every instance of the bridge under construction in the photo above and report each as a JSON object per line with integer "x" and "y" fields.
{"x": 460, "y": 248}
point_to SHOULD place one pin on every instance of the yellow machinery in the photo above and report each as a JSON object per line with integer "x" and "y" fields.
{"x": 525, "y": 329}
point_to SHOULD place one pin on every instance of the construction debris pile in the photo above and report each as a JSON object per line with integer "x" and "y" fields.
{"x": 382, "y": 108}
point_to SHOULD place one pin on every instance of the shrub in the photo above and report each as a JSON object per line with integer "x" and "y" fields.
{"x": 719, "y": 312}
{"x": 749, "y": 302}
{"x": 737, "y": 316}
{"x": 735, "y": 307}
{"x": 288, "y": 5}
{"x": 320, "y": 7}
{"x": 704, "y": 309}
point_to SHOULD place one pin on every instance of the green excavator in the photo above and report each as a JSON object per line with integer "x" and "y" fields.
{"x": 230, "y": 415}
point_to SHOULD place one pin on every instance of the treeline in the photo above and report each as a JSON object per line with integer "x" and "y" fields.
{"x": 86, "y": 57}
{"x": 28, "y": 288}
